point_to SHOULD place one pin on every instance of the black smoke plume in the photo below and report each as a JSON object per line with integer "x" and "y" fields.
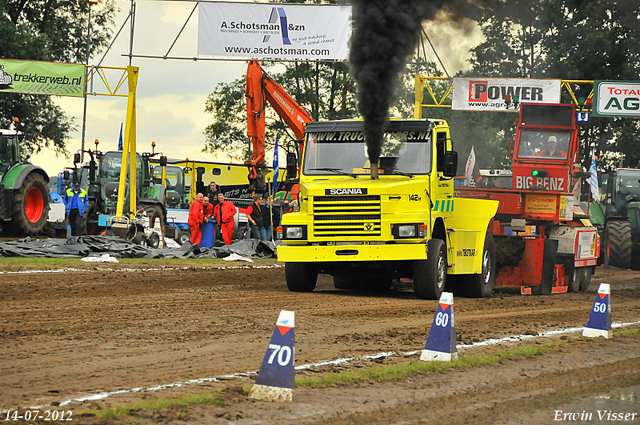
{"x": 386, "y": 32}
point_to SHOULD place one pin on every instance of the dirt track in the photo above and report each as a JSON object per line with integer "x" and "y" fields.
{"x": 109, "y": 327}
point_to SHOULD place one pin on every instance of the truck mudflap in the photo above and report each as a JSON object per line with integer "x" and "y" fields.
{"x": 531, "y": 265}
{"x": 355, "y": 252}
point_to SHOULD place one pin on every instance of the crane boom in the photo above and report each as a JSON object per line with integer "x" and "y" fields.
{"x": 261, "y": 88}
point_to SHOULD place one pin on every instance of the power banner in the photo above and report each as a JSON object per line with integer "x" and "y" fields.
{"x": 502, "y": 94}
{"x": 50, "y": 78}
{"x": 274, "y": 30}
{"x": 616, "y": 99}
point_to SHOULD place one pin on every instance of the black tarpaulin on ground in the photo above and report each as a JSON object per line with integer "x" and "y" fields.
{"x": 88, "y": 246}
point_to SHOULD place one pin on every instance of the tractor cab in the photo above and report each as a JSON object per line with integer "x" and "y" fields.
{"x": 9, "y": 150}
{"x": 175, "y": 185}
{"x": 109, "y": 177}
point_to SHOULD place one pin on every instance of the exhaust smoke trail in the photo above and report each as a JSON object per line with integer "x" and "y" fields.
{"x": 386, "y": 33}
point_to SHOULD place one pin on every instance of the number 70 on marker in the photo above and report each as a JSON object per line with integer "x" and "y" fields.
{"x": 282, "y": 352}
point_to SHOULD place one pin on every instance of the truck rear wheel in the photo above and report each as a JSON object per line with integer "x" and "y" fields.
{"x": 618, "y": 244}
{"x": 301, "y": 277}
{"x": 430, "y": 275}
{"x": 481, "y": 285}
{"x": 30, "y": 206}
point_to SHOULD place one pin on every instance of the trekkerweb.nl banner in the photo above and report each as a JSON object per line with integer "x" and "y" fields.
{"x": 274, "y": 30}
{"x": 49, "y": 78}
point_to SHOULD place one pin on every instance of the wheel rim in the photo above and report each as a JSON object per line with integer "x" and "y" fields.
{"x": 34, "y": 205}
{"x": 486, "y": 267}
{"x": 442, "y": 272}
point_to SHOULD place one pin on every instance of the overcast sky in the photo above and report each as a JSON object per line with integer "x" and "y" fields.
{"x": 171, "y": 94}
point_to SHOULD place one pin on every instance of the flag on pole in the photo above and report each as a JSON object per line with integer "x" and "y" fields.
{"x": 120, "y": 143}
{"x": 469, "y": 168}
{"x": 593, "y": 179}
{"x": 275, "y": 166}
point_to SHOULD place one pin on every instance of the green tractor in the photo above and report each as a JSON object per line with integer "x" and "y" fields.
{"x": 101, "y": 176}
{"x": 618, "y": 217}
{"x": 24, "y": 196}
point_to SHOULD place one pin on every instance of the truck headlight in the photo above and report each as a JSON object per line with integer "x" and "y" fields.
{"x": 294, "y": 232}
{"x": 403, "y": 231}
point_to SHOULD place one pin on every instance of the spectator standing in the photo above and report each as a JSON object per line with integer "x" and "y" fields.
{"x": 75, "y": 205}
{"x": 212, "y": 194}
{"x": 224, "y": 212}
{"x": 255, "y": 214}
{"x": 207, "y": 207}
{"x": 270, "y": 218}
{"x": 196, "y": 218}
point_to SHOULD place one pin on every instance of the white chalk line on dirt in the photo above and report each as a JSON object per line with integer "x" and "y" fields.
{"x": 491, "y": 341}
{"x": 156, "y": 269}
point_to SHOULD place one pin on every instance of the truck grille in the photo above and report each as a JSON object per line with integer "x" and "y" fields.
{"x": 336, "y": 216}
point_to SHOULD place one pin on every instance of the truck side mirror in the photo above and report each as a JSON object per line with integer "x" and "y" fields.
{"x": 450, "y": 164}
{"x": 65, "y": 174}
{"x": 216, "y": 171}
{"x": 292, "y": 165}
{"x": 163, "y": 160}
{"x": 76, "y": 158}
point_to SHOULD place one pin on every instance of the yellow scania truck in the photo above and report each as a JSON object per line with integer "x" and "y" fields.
{"x": 366, "y": 225}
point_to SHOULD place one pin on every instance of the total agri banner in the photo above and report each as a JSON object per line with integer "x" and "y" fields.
{"x": 616, "y": 99}
{"x": 49, "y": 78}
{"x": 274, "y": 30}
{"x": 491, "y": 94}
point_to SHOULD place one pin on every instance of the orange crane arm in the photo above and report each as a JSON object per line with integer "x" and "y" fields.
{"x": 261, "y": 88}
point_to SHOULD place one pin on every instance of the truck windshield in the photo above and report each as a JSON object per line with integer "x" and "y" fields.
{"x": 332, "y": 153}
{"x": 538, "y": 144}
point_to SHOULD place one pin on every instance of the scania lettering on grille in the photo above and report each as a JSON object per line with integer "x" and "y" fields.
{"x": 345, "y": 191}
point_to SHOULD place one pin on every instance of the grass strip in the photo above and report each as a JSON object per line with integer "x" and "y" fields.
{"x": 159, "y": 404}
{"x": 400, "y": 372}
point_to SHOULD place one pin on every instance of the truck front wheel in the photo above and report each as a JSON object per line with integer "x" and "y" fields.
{"x": 301, "y": 277}
{"x": 430, "y": 275}
{"x": 481, "y": 285}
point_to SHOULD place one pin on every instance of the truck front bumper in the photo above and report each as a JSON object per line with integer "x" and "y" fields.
{"x": 355, "y": 253}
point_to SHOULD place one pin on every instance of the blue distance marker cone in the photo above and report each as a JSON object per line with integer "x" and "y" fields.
{"x": 441, "y": 343}
{"x": 599, "y": 323}
{"x": 276, "y": 377}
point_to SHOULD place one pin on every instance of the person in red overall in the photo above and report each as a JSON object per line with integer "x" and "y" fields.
{"x": 224, "y": 212}
{"x": 207, "y": 208}
{"x": 196, "y": 218}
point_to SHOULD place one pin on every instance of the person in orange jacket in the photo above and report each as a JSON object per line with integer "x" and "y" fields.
{"x": 224, "y": 212}
{"x": 196, "y": 218}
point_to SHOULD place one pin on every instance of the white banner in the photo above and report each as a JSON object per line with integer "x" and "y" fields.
{"x": 274, "y": 30}
{"x": 502, "y": 94}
